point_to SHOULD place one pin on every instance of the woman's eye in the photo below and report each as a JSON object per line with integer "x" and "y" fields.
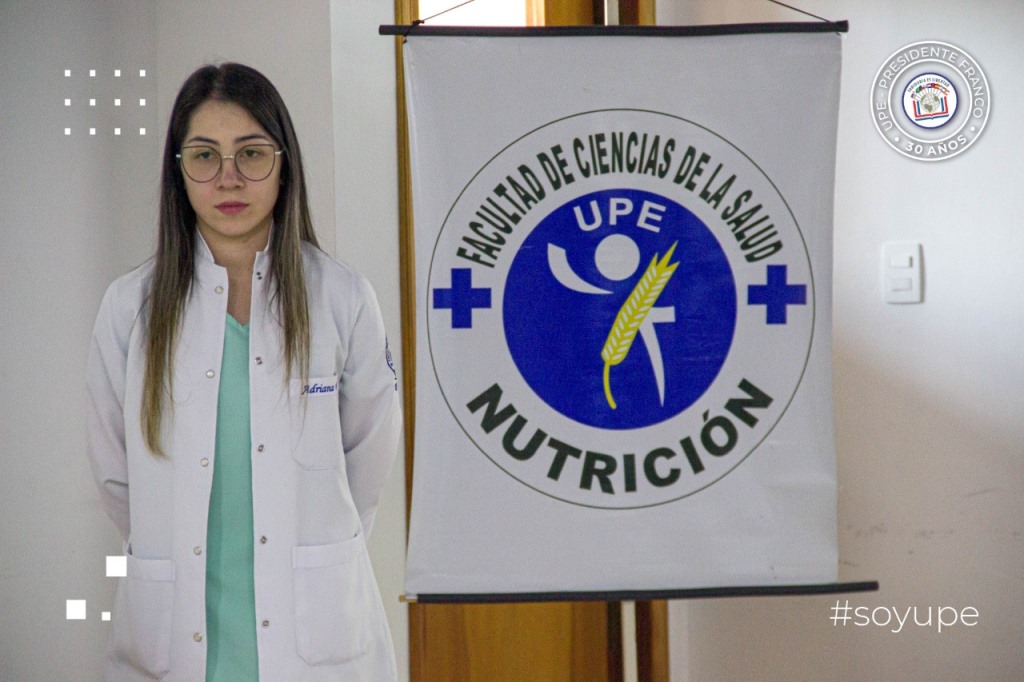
{"x": 252, "y": 152}
{"x": 203, "y": 155}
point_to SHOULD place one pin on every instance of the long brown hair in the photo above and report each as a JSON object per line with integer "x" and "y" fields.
{"x": 175, "y": 267}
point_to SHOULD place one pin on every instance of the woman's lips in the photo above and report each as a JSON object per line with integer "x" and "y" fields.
{"x": 231, "y": 207}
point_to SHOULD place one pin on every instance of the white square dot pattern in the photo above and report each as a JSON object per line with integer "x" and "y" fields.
{"x": 92, "y": 102}
{"x": 117, "y": 566}
{"x": 105, "y": 615}
{"x": 75, "y": 609}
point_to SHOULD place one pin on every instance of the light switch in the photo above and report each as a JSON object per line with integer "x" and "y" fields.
{"x": 901, "y": 272}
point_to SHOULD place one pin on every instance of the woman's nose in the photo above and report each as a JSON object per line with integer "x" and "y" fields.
{"x": 229, "y": 175}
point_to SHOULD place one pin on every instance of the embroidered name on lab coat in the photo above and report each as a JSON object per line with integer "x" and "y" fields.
{"x": 319, "y": 389}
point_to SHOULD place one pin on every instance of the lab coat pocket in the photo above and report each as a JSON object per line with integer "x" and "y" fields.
{"x": 316, "y": 423}
{"x": 143, "y": 613}
{"x": 334, "y": 608}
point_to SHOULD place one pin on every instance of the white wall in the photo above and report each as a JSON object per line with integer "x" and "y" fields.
{"x": 78, "y": 210}
{"x": 366, "y": 192}
{"x": 75, "y": 211}
{"x": 928, "y": 397}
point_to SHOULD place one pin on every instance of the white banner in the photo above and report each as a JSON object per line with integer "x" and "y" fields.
{"x": 623, "y": 290}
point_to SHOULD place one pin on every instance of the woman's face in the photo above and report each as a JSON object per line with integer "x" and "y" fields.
{"x": 230, "y": 209}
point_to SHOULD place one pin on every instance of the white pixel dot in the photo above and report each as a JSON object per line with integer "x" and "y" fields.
{"x": 105, "y": 615}
{"x": 92, "y": 73}
{"x": 67, "y": 103}
{"x": 92, "y": 131}
{"x": 142, "y": 73}
{"x": 117, "y": 566}
{"x": 117, "y": 131}
{"x": 142, "y": 131}
{"x": 75, "y": 609}
{"x": 67, "y": 131}
{"x": 117, "y": 102}
{"x": 92, "y": 103}
{"x": 117, "y": 73}
{"x": 142, "y": 102}
{"x": 67, "y": 73}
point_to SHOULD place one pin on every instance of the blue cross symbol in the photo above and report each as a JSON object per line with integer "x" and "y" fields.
{"x": 776, "y": 295}
{"x": 462, "y": 298}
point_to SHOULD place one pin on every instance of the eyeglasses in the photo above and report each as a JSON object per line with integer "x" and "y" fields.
{"x": 254, "y": 162}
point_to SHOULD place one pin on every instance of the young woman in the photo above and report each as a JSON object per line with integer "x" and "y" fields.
{"x": 243, "y": 416}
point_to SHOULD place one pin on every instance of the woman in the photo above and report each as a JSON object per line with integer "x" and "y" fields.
{"x": 243, "y": 416}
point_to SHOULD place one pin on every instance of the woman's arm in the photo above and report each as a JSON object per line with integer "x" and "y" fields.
{"x": 370, "y": 410}
{"x": 105, "y": 382}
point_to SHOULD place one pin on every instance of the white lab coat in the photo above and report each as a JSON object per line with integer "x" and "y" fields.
{"x": 319, "y": 462}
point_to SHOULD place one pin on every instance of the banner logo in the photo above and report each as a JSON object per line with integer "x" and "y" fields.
{"x": 616, "y": 255}
{"x": 930, "y": 101}
{"x": 620, "y": 308}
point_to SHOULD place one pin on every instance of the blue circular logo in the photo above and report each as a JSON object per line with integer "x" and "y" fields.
{"x": 619, "y": 309}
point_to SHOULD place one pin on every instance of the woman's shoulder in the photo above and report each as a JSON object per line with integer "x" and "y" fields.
{"x": 324, "y": 271}
{"x": 135, "y": 281}
{"x": 126, "y": 295}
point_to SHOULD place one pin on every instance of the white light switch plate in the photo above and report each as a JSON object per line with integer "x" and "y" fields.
{"x": 901, "y": 272}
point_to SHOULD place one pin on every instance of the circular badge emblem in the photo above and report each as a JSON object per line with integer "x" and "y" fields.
{"x": 620, "y": 308}
{"x": 930, "y": 100}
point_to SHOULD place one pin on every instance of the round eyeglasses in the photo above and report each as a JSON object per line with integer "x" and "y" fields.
{"x": 254, "y": 162}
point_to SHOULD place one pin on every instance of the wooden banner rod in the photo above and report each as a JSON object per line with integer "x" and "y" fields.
{"x": 640, "y": 595}
{"x": 583, "y": 31}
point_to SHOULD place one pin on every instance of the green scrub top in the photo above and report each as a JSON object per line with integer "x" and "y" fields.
{"x": 230, "y": 597}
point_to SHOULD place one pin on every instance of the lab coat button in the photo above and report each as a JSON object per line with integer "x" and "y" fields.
{"x": 259, "y": 360}
{"x": 263, "y": 539}
{"x": 197, "y": 637}
{"x": 219, "y": 290}
{"x": 204, "y": 462}
{"x": 210, "y": 373}
{"x": 259, "y": 275}
{"x": 259, "y": 448}
{"x": 266, "y": 623}
{"x": 197, "y": 550}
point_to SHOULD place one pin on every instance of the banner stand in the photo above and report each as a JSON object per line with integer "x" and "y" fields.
{"x": 482, "y": 303}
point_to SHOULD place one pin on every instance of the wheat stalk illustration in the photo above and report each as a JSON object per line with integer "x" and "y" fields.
{"x": 632, "y": 314}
